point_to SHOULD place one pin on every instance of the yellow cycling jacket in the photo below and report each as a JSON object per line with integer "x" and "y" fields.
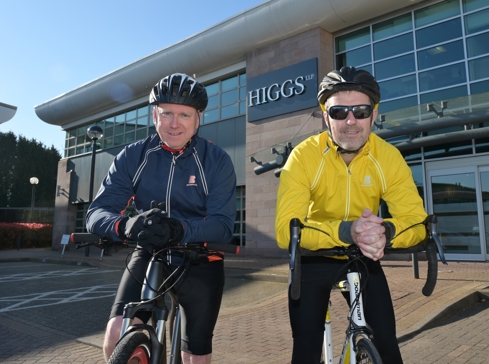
{"x": 318, "y": 187}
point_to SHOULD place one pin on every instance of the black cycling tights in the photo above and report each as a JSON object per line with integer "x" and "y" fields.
{"x": 308, "y": 313}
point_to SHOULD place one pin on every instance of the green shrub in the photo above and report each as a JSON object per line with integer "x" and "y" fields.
{"x": 32, "y": 235}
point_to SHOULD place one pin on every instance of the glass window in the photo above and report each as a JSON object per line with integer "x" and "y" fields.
{"x": 141, "y": 134}
{"x": 385, "y": 107}
{"x": 242, "y": 79}
{"x": 398, "y": 87}
{"x": 120, "y": 118}
{"x": 393, "y": 67}
{"x": 479, "y": 68}
{"x": 212, "y": 88}
{"x": 211, "y": 115}
{"x": 479, "y": 87}
{"x": 131, "y": 115}
{"x": 478, "y": 45}
{"x": 142, "y": 121}
{"x": 393, "y": 46}
{"x": 434, "y": 13}
{"x": 108, "y": 131}
{"x": 118, "y": 140}
{"x": 358, "y": 56}
{"x": 367, "y": 68}
{"x": 477, "y": 22}
{"x": 242, "y": 93}
{"x": 108, "y": 142}
{"x": 442, "y": 77}
{"x": 229, "y": 97}
{"x": 242, "y": 108}
{"x": 442, "y": 95}
{"x": 392, "y": 27}
{"x": 119, "y": 129}
{"x": 439, "y": 33}
{"x": 152, "y": 130}
{"x": 130, "y": 125}
{"x": 213, "y": 102}
{"x": 229, "y": 111}
{"x": 352, "y": 40}
{"x": 80, "y": 140}
{"x": 470, "y": 5}
{"x": 143, "y": 111}
{"x": 441, "y": 54}
{"x": 229, "y": 84}
{"x": 129, "y": 137}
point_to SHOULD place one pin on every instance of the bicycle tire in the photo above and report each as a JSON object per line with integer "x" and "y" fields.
{"x": 367, "y": 353}
{"x": 134, "y": 348}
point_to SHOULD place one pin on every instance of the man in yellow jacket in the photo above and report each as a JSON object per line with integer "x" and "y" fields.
{"x": 334, "y": 183}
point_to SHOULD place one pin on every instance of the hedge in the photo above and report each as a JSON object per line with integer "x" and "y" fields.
{"x": 32, "y": 235}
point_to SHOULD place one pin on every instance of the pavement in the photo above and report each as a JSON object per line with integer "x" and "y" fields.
{"x": 257, "y": 331}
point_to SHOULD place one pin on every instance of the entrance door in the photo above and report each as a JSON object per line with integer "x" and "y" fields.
{"x": 454, "y": 196}
{"x": 484, "y": 174}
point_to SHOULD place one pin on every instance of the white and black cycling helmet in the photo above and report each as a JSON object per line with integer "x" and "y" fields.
{"x": 179, "y": 88}
{"x": 349, "y": 79}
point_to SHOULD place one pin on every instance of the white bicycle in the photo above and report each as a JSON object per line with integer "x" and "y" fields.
{"x": 358, "y": 347}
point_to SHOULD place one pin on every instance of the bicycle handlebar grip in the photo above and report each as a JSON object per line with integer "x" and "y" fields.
{"x": 84, "y": 238}
{"x": 432, "y": 274}
{"x": 225, "y": 248}
{"x": 295, "y": 259}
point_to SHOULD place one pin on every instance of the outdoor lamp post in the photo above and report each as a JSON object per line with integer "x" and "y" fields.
{"x": 94, "y": 133}
{"x": 34, "y": 181}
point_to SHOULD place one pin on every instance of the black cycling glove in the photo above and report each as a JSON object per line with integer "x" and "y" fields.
{"x": 152, "y": 228}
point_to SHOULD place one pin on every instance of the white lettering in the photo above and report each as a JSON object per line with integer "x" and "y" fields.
{"x": 251, "y": 97}
{"x": 277, "y": 93}
{"x": 283, "y": 87}
{"x": 300, "y": 85}
{"x": 264, "y": 95}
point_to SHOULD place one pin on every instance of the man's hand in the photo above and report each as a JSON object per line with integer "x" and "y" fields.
{"x": 152, "y": 229}
{"x": 368, "y": 234}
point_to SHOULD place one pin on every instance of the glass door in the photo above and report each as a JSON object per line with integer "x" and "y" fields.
{"x": 484, "y": 175}
{"x": 453, "y": 195}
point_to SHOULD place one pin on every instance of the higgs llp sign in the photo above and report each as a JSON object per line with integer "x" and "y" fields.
{"x": 283, "y": 91}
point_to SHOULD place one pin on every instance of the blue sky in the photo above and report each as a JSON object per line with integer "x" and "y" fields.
{"x": 50, "y": 47}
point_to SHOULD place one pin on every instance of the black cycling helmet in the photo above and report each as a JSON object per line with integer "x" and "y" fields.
{"x": 348, "y": 79}
{"x": 179, "y": 88}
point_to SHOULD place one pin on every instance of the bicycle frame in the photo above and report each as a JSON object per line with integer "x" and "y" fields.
{"x": 152, "y": 296}
{"x": 358, "y": 324}
{"x": 358, "y": 328}
{"x": 161, "y": 313}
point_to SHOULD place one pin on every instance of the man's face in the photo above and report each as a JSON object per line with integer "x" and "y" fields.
{"x": 175, "y": 124}
{"x": 349, "y": 133}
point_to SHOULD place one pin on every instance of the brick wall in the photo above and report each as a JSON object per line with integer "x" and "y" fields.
{"x": 262, "y": 135}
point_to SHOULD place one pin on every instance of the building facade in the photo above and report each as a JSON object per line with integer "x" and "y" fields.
{"x": 262, "y": 68}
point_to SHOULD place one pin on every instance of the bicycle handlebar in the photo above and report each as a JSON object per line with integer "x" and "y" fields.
{"x": 88, "y": 239}
{"x": 431, "y": 245}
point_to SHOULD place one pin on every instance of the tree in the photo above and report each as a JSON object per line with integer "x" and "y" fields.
{"x": 21, "y": 159}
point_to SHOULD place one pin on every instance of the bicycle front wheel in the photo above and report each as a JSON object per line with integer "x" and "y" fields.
{"x": 367, "y": 353}
{"x": 133, "y": 348}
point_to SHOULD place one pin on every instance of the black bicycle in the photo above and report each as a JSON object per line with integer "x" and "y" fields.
{"x": 148, "y": 343}
{"x": 358, "y": 346}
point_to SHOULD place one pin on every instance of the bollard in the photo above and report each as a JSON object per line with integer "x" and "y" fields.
{"x": 18, "y": 241}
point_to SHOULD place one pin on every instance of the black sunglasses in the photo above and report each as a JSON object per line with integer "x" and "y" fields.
{"x": 341, "y": 112}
